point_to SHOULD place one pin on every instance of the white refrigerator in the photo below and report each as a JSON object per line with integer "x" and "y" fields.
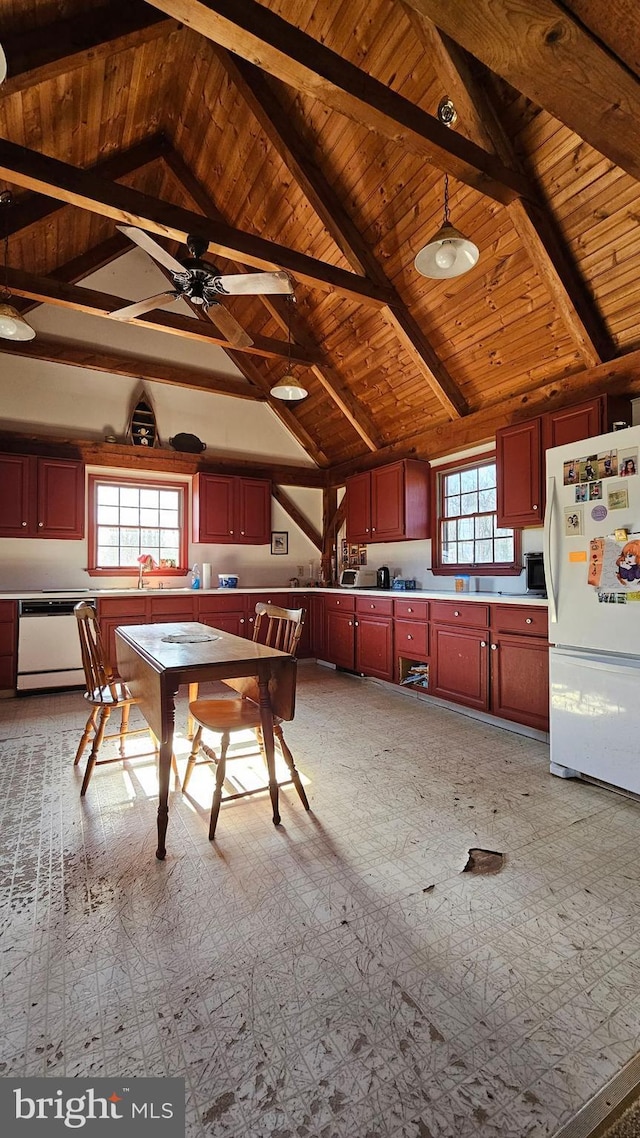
{"x": 592, "y": 571}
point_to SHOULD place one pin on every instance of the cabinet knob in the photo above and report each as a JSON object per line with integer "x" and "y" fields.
{"x": 241, "y": 533}
{"x": 337, "y": 602}
{"x": 409, "y": 636}
{"x": 241, "y": 620}
{"x": 483, "y": 644}
{"x": 231, "y": 531}
{"x": 24, "y": 523}
{"x": 350, "y": 624}
{"x": 494, "y": 647}
{"x": 40, "y": 525}
{"x": 373, "y": 529}
{"x": 534, "y": 507}
{"x": 356, "y": 623}
{"x": 528, "y": 620}
{"x": 456, "y": 613}
{"x": 409, "y": 609}
{"x": 366, "y": 529}
{"x": 372, "y": 606}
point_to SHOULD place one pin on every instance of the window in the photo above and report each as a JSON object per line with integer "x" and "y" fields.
{"x": 468, "y": 534}
{"x": 130, "y": 517}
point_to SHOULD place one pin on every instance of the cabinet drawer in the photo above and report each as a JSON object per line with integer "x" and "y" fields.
{"x": 411, "y": 639}
{"x": 173, "y": 608}
{"x": 517, "y": 618}
{"x": 346, "y": 603}
{"x": 112, "y": 607}
{"x": 232, "y": 603}
{"x": 452, "y": 612}
{"x": 381, "y": 606}
{"x": 411, "y": 610}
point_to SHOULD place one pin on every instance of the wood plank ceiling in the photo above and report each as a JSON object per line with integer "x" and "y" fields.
{"x": 328, "y": 160}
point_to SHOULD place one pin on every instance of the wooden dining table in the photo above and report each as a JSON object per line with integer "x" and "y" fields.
{"x": 155, "y": 659}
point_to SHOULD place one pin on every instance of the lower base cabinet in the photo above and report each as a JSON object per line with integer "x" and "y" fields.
{"x": 460, "y": 663}
{"x": 341, "y": 640}
{"x": 520, "y": 680}
{"x": 8, "y": 645}
{"x": 374, "y": 639}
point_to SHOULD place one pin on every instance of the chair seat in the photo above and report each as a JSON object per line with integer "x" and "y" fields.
{"x": 112, "y": 695}
{"x": 226, "y": 714}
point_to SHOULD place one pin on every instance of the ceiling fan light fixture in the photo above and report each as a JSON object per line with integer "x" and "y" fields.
{"x": 13, "y": 326}
{"x": 448, "y": 254}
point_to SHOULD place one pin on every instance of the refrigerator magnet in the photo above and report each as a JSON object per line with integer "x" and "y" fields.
{"x": 573, "y": 522}
{"x": 599, "y": 513}
{"x": 618, "y": 497}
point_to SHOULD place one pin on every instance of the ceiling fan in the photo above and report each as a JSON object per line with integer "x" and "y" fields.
{"x": 198, "y": 281}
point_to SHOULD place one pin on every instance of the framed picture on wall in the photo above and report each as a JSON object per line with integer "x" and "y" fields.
{"x": 279, "y": 541}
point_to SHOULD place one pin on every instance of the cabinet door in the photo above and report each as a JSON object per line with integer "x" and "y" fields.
{"x": 116, "y": 611}
{"x": 213, "y": 509}
{"x": 60, "y": 498}
{"x": 520, "y": 680}
{"x": 17, "y": 492}
{"x": 387, "y": 503}
{"x": 234, "y": 622}
{"x": 572, "y": 424}
{"x": 253, "y": 523}
{"x": 340, "y": 638}
{"x": 519, "y": 469}
{"x": 302, "y": 601}
{"x": 359, "y": 507}
{"x": 316, "y": 619}
{"x": 461, "y": 669}
{"x": 374, "y": 656}
{"x": 8, "y": 645}
{"x": 168, "y": 610}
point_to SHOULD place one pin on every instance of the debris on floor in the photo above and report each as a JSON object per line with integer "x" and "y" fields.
{"x": 484, "y": 861}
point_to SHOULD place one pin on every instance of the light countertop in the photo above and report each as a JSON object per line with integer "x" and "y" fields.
{"x": 396, "y": 594}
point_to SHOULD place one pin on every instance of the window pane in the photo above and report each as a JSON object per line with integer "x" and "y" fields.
{"x": 487, "y": 477}
{"x": 469, "y": 503}
{"x": 148, "y": 517}
{"x": 450, "y": 554}
{"x": 108, "y": 495}
{"x": 502, "y": 532}
{"x": 487, "y": 501}
{"x": 129, "y": 517}
{"x": 484, "y": 526}
{"x": 108, "y": 535}
{"x": 169, "y": 519}
{"x": 149, "y": 499}
{"x": 107, "y": 558}
{"x": 451, "y": 484}
{"x": 149, "y": 538}
{"x": 469, "y": 480}
{"x": 452, "y": 507}
{"x": 108, "y": 515}
{"x": 484, "y": 552}
{"x": 129, "y": 496}
{"x": 465, "y": 529}
{"x": 504, "y": 549}
{"x": 465, "y": 556}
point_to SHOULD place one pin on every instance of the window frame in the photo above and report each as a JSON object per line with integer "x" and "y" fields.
{"x": 137, "y": 483}
{"x": 486, "y": 568}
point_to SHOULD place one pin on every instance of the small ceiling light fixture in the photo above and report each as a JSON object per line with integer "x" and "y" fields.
{"x": 449, "y": 253}
{"x": 12, "y": 325}
{"x": 288, "y": 389}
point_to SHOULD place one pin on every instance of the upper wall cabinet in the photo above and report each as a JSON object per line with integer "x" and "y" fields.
{"x": 390, "y": 503}
{"x": 231, "y": 511}
{"x": 520, "y": 453}
{"x": 41, "y": 497}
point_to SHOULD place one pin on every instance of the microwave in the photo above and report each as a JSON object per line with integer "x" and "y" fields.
{"x": 534, "y": 566}
{"x": 358, "y": 579}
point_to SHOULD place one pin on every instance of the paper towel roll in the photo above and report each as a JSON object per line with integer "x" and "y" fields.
{"x": 206, "y": 575}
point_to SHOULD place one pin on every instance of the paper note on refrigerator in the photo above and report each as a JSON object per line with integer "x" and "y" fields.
{"x": 613, "y": 566}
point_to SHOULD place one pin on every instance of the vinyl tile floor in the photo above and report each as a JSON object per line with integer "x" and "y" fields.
{"x": 338, "y": 976}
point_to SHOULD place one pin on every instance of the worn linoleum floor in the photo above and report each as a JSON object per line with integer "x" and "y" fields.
{"x": 307, "y": 980}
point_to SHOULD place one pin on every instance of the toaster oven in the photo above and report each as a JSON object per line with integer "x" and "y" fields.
{"x": 358, "y": 579}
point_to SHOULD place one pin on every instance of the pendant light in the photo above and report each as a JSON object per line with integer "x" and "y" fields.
{"x": 449, "y": 253}
{"x": 3, "y": 65}
{"x": 288, "y": 389}
{"x": 12, "y": 324}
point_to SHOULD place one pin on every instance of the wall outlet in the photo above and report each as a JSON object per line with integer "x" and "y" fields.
{"x": 300, "y": 570}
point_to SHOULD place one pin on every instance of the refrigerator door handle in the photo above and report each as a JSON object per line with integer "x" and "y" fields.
{"x": 548, "y": 550}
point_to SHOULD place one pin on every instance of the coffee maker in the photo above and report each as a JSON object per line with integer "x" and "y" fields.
{"x": 383, "y": 578}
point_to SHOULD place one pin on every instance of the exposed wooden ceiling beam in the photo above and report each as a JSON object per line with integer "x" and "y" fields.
{"x": 297, "y": 517}
{"x": 334, "y": 385}
{"x": 74, "y": 354}
{"x": 281, "y": 133}
{"x": 82, "y": 266}
{"x": 616, "y": 377}
{"x": 538, "y": 47}
{"x": 43, "y": 53}
{"x": 47, "y": 290}
{"x": 32, "y": 208}
{"x": 535, "y": 224}
{"x": 86, "y": 190}
{"x": 252, "y": 31}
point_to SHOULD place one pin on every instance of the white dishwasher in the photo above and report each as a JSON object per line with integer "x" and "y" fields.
{"x": 48, "y": 644}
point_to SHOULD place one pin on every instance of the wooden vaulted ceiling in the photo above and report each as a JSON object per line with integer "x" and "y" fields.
{"x": 327, "y": 160}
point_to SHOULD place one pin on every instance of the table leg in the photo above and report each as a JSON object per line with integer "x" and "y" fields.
{"x": 193, "y": 695}
{"x": 164, "y": 769}
{"x": 266, "y": 720}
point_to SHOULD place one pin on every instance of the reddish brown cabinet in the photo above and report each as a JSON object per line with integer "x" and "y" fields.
{"x": 390, "y": 503}
{"x": 520, "y": 679}
{"x": 374, "y": 637}
{"x": 316, "y": 622}
{"x": 41, "y": 497}
{"x": 340, "y": 642}
{"x": 115, "y": 611}
{"x": 167, "y": 610}
{"x": 460, "y": 662}
{"x": 227, "y": 612}
{"x": 231, "y": 511}
{"x": 520, "y": 453}
{"x": 8, "y": 644}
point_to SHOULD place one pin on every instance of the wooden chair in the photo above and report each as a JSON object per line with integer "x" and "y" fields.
{"x": 106, "y": 692}
{"x": 278, "y": 628}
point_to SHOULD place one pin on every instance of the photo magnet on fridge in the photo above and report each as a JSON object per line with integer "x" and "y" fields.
{"x": 573, "y": 523}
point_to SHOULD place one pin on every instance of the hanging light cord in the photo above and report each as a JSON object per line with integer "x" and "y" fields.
{"x": 446, "y": 220}
{"x": 5, "y": 291}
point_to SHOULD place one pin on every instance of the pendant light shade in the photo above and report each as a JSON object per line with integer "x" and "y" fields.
{"x": 449, "y": 253}
{"x": 288, "y": 389}
{"x": 3, "y": 65}
{"x": 13, "y": 326}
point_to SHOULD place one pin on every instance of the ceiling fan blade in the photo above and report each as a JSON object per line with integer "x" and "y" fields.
{"x": 255, "y": 284}
{"x": 228, "y": 325}
{"x": 147, "y": 305}
{"x": 151, "y": 247}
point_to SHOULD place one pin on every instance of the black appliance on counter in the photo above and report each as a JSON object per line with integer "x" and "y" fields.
{"x": 383, "y": 580}
{"x": 536, "y": 584}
